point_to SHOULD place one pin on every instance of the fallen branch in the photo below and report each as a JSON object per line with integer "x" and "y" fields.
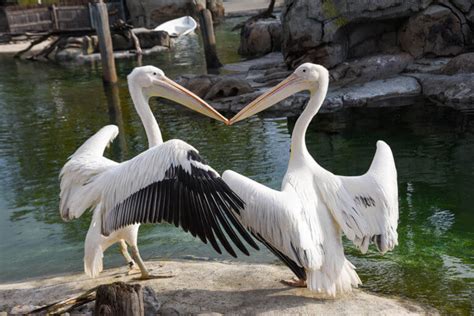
{"x": 47, "y": 50}
{"x": 32, "y": 44}
{"x": 66, "y": 305}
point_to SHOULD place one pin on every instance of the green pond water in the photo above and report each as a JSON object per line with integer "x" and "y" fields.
{"x": 47, "y": 111}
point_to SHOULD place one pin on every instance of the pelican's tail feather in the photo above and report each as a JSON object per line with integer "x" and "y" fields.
{"x": 93, "y": 251}
{"x": 333, "y": 282}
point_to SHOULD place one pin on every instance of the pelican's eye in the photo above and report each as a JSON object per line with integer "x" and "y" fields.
{"x": 154, "y": 74}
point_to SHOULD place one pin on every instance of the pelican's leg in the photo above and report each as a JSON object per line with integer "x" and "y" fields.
{"x": 294, "y": 282}
{"x": 145, "y": 274}
{"x": 132, "y": 266}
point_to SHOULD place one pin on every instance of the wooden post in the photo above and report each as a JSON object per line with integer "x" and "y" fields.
{"x": 54, "y": 15}
{"x": 101, "y": 23}
{"x": 119, "y": 299}
{"x": 208, "y": 38}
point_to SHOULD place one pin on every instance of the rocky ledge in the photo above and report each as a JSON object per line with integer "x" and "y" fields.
{"x": 203, "y": 287}
{"x": 376, "y": 81}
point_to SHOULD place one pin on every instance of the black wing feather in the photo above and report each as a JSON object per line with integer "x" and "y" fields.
{"x": 294, "y": 267}
{"x": 199, "y": 201}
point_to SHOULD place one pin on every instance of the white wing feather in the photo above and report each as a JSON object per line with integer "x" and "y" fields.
{"x": 87, "y": 162}
{"x": 366, "y": 207}
{"x": 118, "y": 183}
{"x": 277, "y": 217}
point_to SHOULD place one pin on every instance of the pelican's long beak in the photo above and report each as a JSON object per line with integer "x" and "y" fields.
{"x": 283, "y": 90}
{"x": 169, "y": 89}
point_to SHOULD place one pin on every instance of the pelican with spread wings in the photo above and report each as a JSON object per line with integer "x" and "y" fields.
{"x": 304, "y": 222}
{"x": 169, "y": 182}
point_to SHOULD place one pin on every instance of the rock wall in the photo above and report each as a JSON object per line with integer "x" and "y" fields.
{"x": 330, "y": 31}
{"x": 260, "y": 37}
{"x": 151, "y": 13}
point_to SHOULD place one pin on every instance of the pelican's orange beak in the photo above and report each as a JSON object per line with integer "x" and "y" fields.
{"x": 280, "y": 92}
{"x": 169, "y": 89}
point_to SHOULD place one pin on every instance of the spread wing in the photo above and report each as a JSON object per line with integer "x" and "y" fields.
{"x": 87, "y": 162}
{"x": 366, "y": 207}
{"x": 171, "y": 183}
{"x": 277, "y": 218}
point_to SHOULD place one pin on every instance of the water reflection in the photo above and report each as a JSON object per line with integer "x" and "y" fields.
{"x": 115, "y": 114}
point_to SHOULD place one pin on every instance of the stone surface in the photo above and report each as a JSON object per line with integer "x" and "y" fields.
{"x": 330, "y": 31}
{"x": 211, "y": 87}
{"x": 151, "y": 301}
{"x": 463, "y": 5}
{"x": 370, "y": 68}
{"x": 428, "y": 65}
{"x": 260, "y": 37}
{"x": 228, "y": 87}
{"x": 355, "y": 26}
{"x": 213, "y": 287}
{"x": 264, "y": 61}
{"x": 463, "y": 63}
{"x": 456, "y": 91}
{"x": 200, "y": 85}
{"x": 397, "y": 91}
{"x": 435, "y": 31}
{"x": 151, "y": 38}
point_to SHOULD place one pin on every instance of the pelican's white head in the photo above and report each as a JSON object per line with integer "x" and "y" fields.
{"x": 308, "y": 76}
{"x": 152, "y": 81}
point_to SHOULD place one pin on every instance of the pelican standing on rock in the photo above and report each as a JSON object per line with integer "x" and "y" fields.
{"x": 306, "y": 219}
{"x": 168, "y": 182}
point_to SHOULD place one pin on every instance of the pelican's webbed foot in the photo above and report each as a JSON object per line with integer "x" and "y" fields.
{"x": 294, "y": 282}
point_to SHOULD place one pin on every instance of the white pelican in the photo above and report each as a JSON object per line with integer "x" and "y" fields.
{"x": 168, "y": 182}
{"x": 306, "y": 219}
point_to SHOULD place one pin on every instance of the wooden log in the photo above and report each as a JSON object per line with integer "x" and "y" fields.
{"x": 34, "y": 43}
{"x": 209, "y": 39}
{"x": 119, "y": 299}
{"x": 101, "y": 24}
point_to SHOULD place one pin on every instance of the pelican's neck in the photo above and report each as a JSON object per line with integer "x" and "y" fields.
{"x": 298, "y": 143}
{"x": 140, "y": 101}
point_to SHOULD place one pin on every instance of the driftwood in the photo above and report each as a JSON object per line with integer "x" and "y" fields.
{"x": 68, "y": 304}
{"x": 46, "y": 36}
{"x": 119, "y": 299}
{"x": 32, "y": 44}
{"x": 47, "y": 50}
{"x": 268, "y": 13}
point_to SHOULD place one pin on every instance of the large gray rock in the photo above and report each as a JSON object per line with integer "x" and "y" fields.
{"x": 211, "y": 87}
{"x": 463, "y": 63}
{"x": 228, "y": 87}
{"x": 463, "y": 5}
{"x": 325, "y": 31}
{"x": 260, "y": 37}
{"x": 435, "y": 31}
{"x": 330, "y": 31}
{"x": 151, "y": 38}
{"x": 147, "y": 38}
{"x": 397, "y": 91}
{"x": 456, "y": 91}
{"x": 370, "y": 68}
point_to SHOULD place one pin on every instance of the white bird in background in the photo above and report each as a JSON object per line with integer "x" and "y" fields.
{"x": 168, "y": 182}
{"x": 306, "y": 219}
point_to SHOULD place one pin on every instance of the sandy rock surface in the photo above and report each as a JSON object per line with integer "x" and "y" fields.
{"x": 205, "y": 287}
